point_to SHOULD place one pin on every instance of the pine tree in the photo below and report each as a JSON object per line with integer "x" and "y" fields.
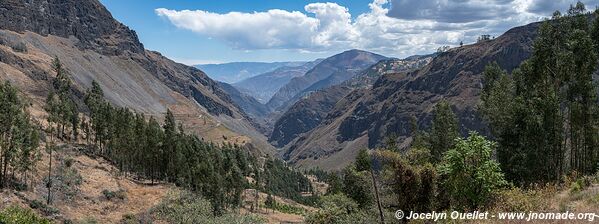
{"x": 19, "y": 139}
{"x": 444, "y": 130}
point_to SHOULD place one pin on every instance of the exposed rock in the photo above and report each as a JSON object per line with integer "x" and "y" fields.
{"x": 365, "y": 117}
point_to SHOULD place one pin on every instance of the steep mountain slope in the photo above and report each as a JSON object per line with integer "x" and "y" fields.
{"x": 94, "y": 46}
{"x": 345, "y": 64}
{"x": 248, "y": 104}
{"x": 264, "y": 86}
{"x": 364, "y": 117}
{"x": 237, "y": 71}
{"x": 309, "y": 111}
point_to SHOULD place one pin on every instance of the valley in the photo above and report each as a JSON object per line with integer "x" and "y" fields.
{"x": 97, "y": 128}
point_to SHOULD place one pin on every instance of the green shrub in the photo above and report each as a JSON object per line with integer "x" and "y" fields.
{"x": 187, "y": 207}
{"x": 18, "y": 215}
{"x": 339, "y": 208}
{"x": 470, "y": 174}
{"x": 119, "y": 194}
{"x": 48, "y": 210}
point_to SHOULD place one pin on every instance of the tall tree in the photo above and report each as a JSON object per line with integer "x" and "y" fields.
{"x": 19, "y": 138}
{"x": 444, "y": 130}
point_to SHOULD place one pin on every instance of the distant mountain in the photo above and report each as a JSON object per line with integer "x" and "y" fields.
{"x": 264, "y": 86}
{"x": 334, "y": 69}
{"x": 363, "y": 118}
{"x": 247, "y": 103}
{"x": 308, "y": 112}
{"x": 238, "y": 71}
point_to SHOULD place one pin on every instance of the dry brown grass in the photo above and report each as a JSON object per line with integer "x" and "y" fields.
{"x": 97, "y": 175}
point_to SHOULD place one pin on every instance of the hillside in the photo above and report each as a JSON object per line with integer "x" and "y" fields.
{"x": 94, "y": 46}
{"x": 308, "y": 112}
{"x": 345, "y": 65}
{"x": 365, "y": 117}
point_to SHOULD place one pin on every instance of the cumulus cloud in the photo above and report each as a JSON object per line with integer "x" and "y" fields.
{"x": 394, "y": 27}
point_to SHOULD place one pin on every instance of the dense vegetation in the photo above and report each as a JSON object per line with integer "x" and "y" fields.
{"x": 19, "y": 136}
{"x": 544, "y": 118}
{"x": 544, "y": 115}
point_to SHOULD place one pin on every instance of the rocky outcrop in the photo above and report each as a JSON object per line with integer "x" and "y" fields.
{"x": 87, "y": 21}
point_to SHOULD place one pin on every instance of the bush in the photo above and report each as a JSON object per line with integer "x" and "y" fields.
{"x": 18, "y": 215}
{"x": 19, "y": 47}
{"x": 187, "y": 207}
{"x": 470, "y": 174}
{"x": 48, "y": 210}
{"x": 339, "y": 208}
{"x": 580, "y": 184}
{"x": 119, "y": 194}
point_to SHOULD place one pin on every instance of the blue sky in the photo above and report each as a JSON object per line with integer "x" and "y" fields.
{"x": 200, "y": 31}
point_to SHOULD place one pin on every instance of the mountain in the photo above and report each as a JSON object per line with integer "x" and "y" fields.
{"x": 237, "y": 71}
{"x": 92, "y": 45}
{"x": 366, "y": 116}
{"x": 308, "y": 112}
{"x": 344, "y": 65}
{"x": 248, "y": 104}
{"x": 264, "y": 86}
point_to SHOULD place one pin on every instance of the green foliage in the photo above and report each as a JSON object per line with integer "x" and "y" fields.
{"x": 444, "y": 130}
{"x": 284, "y": 208}
{"x": 19, "y": 136}
{"x": 186, "y": 207}
{"x": 470, "y": 174}
{"x": 118, "y": 194}
{"x": 18, "y": 215}
{"x": 338, "y": 208}
{"x": 547, "y": 110}
{"x": 281, "y": 180}
{"x": 363, "y": 161}
{"x": 43, "y": 207}
{"x": 358, "y": 186}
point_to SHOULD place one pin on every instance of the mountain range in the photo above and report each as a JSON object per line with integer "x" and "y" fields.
{"x": 234, "y": 72}
{"x": 318, "y": 113}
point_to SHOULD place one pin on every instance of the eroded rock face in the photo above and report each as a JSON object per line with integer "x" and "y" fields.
{"x": 94, "y": 28}
{"x": 88, "y": 21}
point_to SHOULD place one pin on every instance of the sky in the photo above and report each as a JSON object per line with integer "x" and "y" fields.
{"x": 203, "y": 31}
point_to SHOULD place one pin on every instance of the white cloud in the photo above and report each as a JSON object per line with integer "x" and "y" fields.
{"x": 398, "y": 27}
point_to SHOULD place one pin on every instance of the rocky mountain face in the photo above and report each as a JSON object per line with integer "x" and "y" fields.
{"x": 308, "y": 112}
{"x": 264, "y": 86}
{"x": 237, "y": 71}
{"x": 365, "y": 117}
{"x": 92, "y": 45}
{"x": 332, "y": 70}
